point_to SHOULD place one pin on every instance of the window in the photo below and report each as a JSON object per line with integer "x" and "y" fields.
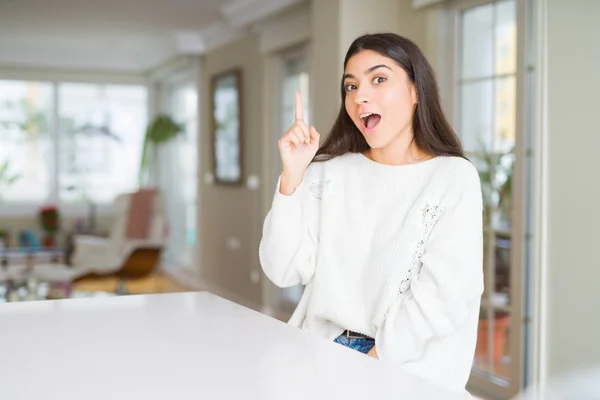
{"x": 487, "y": 84}
{"x": 91, "y": 153}
{"x": 102, "y": 130}
{"x": 26, "y": 136}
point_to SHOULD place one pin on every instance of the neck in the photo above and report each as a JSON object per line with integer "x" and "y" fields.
{"x": 402, "y": 151}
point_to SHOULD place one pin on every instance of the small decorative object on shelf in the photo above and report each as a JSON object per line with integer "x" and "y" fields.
{"x": 50, "y": 222}
{"x": 28, "y": 240}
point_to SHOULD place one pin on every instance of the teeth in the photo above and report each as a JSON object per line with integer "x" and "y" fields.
{"x": 365, "y": 115}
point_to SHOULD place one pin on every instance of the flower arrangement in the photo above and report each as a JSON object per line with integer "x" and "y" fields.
{"x": 50, "y": 222}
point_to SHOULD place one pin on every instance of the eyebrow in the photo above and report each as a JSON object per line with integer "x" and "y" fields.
{"x": 373, "y": 68}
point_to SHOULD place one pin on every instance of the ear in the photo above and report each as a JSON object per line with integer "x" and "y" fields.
{"x": 413, "y": 93}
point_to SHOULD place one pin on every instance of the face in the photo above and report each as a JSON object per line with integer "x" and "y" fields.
{"x": 380, "y": 98}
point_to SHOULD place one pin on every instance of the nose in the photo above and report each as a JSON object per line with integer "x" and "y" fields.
{"x": 362, "y": 96}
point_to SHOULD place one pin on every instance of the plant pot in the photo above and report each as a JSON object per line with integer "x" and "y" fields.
{"x": 500, "y": 327}
{"x": 49, "y": 240}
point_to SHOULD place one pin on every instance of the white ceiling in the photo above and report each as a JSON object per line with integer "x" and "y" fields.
{"x": 120, "y": 35}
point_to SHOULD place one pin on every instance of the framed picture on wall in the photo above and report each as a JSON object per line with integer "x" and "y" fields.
{"x": 226, "y": 106}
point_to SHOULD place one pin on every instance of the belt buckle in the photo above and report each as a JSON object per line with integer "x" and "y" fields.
{"x": 350, "y": 336}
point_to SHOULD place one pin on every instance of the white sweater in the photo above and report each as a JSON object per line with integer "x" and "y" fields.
{"x": 393, "y": 252}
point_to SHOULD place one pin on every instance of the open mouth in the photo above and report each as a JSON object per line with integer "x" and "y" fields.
{"x": 370, "y": 120}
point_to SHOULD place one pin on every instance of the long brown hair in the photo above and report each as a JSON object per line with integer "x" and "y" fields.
{"x": 432, "y": 132}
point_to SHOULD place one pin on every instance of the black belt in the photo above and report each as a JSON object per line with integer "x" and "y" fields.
{"x": 355, "y": 335}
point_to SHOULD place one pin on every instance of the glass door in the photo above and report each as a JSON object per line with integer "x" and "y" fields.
{"x": 491, "y": 120}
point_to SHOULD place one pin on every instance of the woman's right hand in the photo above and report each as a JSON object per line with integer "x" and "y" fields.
{"x": 297, "y": 148}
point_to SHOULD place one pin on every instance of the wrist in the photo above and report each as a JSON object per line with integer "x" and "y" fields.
{"x": 290, "y": 181}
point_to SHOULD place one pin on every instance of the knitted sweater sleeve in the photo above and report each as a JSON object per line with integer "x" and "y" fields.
{"x": 447, "y": 290}
{"x": 288, "y": 249}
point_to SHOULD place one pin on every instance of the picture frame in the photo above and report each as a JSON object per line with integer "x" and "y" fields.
{"x": 226, "y": 127}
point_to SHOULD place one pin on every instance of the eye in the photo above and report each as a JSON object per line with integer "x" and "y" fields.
{"x": 379, "y": 79}
{"x": 349, "y": 87}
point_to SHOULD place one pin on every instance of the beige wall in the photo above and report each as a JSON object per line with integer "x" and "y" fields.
{"x": 232, "y": 212}
{"x": 326, "y": 63}
{"x": 573, "y": 276}
{"x": 396, "y": 16}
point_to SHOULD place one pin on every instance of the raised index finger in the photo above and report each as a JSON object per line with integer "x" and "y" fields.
{"x": 299, "y": 110}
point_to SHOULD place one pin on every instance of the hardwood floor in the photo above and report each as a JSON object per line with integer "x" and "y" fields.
{"x": 155, "y": 283}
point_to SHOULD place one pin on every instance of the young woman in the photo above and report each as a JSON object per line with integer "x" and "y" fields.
{"x": 383, "y": 222}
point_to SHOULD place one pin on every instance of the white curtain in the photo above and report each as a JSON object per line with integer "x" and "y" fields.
{"x": 166, "y": 173}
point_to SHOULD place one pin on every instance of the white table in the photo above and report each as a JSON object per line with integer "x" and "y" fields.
{"x": 181, "y": 346}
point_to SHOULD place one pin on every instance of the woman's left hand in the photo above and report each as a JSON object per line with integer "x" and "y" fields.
{"x": 373, "y": 352}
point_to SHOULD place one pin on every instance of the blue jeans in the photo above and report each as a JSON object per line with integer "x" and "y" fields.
{"x": 364, "y": 345}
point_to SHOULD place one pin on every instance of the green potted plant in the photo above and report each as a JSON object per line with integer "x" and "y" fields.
{"x": 161, "y": 130}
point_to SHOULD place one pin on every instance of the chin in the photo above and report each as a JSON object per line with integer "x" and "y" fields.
{"x": 375, "y": 144}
